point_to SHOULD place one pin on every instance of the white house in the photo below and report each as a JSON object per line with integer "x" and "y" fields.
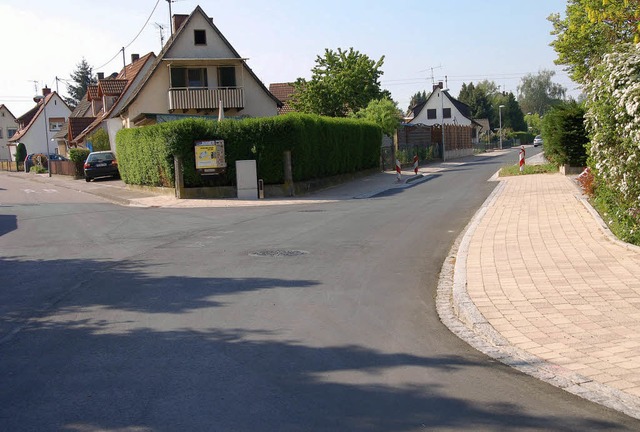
{"x": 8, "y": 128}
{"x": 39, "y": 125}
{"x": 441, "y": 104}
{"x": 197, "y": 73}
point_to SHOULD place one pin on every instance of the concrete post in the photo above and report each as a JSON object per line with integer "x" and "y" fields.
{"x": 288, "y": 174}
{"x": 179, "y": 176}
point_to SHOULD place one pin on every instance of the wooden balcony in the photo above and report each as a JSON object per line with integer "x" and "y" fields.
{"x": 205, "y": 98}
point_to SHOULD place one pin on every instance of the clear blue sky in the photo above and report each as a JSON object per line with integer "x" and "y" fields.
{"x": 464, "y": 40}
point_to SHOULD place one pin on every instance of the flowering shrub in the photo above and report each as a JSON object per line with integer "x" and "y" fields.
{"x": 613, "y": 120}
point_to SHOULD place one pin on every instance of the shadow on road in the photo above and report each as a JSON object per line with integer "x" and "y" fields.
{"x": 64, "y": 371}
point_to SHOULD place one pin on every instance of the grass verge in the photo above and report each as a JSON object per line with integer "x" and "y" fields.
{"x": 514, "y": 170}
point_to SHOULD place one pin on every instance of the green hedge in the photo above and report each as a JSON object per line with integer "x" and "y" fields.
{"x": 320, "y": 147}
{"x": 565, "y": 135}
{"x": 524, "y": 137}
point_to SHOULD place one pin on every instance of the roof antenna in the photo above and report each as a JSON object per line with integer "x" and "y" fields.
{"x": 446, "y": 82}
{"x": 160, "y": 28}
{"x": 35, "y": 85}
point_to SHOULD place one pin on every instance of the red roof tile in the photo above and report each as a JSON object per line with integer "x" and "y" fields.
{"x": 283, "y": 92}
{"x": 111, "y": 87}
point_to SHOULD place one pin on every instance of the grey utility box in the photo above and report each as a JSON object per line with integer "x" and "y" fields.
{"x": 247, "y": 179}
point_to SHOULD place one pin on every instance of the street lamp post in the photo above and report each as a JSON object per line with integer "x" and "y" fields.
{"x": 46, "y": 128}
{"x": 500, "y": 115}
{"x": 442, "y": 121}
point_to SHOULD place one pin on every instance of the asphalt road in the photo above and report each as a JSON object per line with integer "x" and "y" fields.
{"x": 310, "y": 317}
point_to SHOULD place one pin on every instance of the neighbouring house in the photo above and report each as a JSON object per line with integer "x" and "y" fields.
{"x": 78, "y": 120}
{"x": 8, "y": 128}
{"x": 441, "y": 109}
{"x": 283, "y": 91}
{"x": 106, "y": 98}
{"x": 38, "y": 126}
{"x": 197, "y": 73}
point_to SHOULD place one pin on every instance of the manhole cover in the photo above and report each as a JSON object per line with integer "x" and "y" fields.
{"x": 278, "y": 253}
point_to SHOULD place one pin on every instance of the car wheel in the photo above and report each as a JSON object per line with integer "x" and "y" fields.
{"x": 87, "y": 179}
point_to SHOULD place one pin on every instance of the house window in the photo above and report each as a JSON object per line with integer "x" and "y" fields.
{"x": 186, "y": 77}
{"x": 1, "y": 135}
{"x": 431, "y": 114}
{"x": 446, "y": 112}
{"x": 200, "y": 37}
{"x": 226, "y": 76}
{"x": 56, "y": 123}
{"x": 11, "y": 132}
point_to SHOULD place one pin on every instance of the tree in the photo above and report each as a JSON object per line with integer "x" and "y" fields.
{"x": 534, "y": 123}
{"x": 81, "y": 78}
{"x": 21, "y": 152}
{"x": 590, "y": 29}
{"x": 512, "y": 116}
{"x": 342, "y": 82}
{"x": 538, "y": 93}
{"x": 416, "y": 99}
{"x": 383, "y": 112}
{"x": 478, "y": 101}
{"x": 99, "y": 140}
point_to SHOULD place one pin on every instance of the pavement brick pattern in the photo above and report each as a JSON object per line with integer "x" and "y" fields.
{"x": 550, "y": 280}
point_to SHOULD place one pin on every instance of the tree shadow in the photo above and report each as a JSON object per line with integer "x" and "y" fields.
{"x": 8, "y": 223}
{"x": 148, "y": 353}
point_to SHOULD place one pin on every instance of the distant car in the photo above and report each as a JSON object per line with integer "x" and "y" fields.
{"x": 537, "y": 141}
{"x": 28, "y": 161}
{"x": 101, "y": 164}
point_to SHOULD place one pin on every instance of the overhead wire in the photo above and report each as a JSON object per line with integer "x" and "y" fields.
{"x": 134, "y": 39}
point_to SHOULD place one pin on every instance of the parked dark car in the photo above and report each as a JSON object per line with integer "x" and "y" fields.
{"x": 101, "y": 164}
{"x": 28, "y": 161}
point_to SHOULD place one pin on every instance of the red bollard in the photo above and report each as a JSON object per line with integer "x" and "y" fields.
{"x": 415, "y": 164}
{"x": 522, "y": 154}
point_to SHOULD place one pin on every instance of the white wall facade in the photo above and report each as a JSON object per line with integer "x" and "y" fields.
{"x": 35, "y": 139}
{"x": 7, "y": 122}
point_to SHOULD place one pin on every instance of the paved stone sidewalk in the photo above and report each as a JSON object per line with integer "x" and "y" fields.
{"x": 545, "y": 286}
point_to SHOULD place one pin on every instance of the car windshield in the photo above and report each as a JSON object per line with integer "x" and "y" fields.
{"x": 99, "y": 157}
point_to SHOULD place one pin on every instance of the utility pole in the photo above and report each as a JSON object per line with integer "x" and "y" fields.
{"x": 170, "y": 16}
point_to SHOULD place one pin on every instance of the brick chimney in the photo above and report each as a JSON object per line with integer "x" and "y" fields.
{"x": 46, "y": 91}
{"x": 177, "y": 21}
{"x": 135, "y": 58}
{"x": 438, "y": 86}
{"x": 100, "y": 76}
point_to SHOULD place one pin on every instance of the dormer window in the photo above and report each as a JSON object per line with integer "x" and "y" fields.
{"x": 199, "y": 37}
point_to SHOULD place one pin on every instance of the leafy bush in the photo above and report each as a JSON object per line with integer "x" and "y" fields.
{"x": 524, "y": 137}
{"x": 565, "y": 135}
{"x": 319, "y": 146}
{"x": 40, "y": 160}
{"x": 78, "y": 156}
{"x": 613, "y": 119}
{"x": 99, "y": 140}
{"x": 21, "y": 152}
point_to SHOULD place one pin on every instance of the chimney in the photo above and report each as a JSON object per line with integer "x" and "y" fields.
{"x": 45, "y": 91}
{"x": 100, "y": 76}
{"x": 438, "y": 86}
{"x": 135, "y": 58}
{"x": 177, "y": 22}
